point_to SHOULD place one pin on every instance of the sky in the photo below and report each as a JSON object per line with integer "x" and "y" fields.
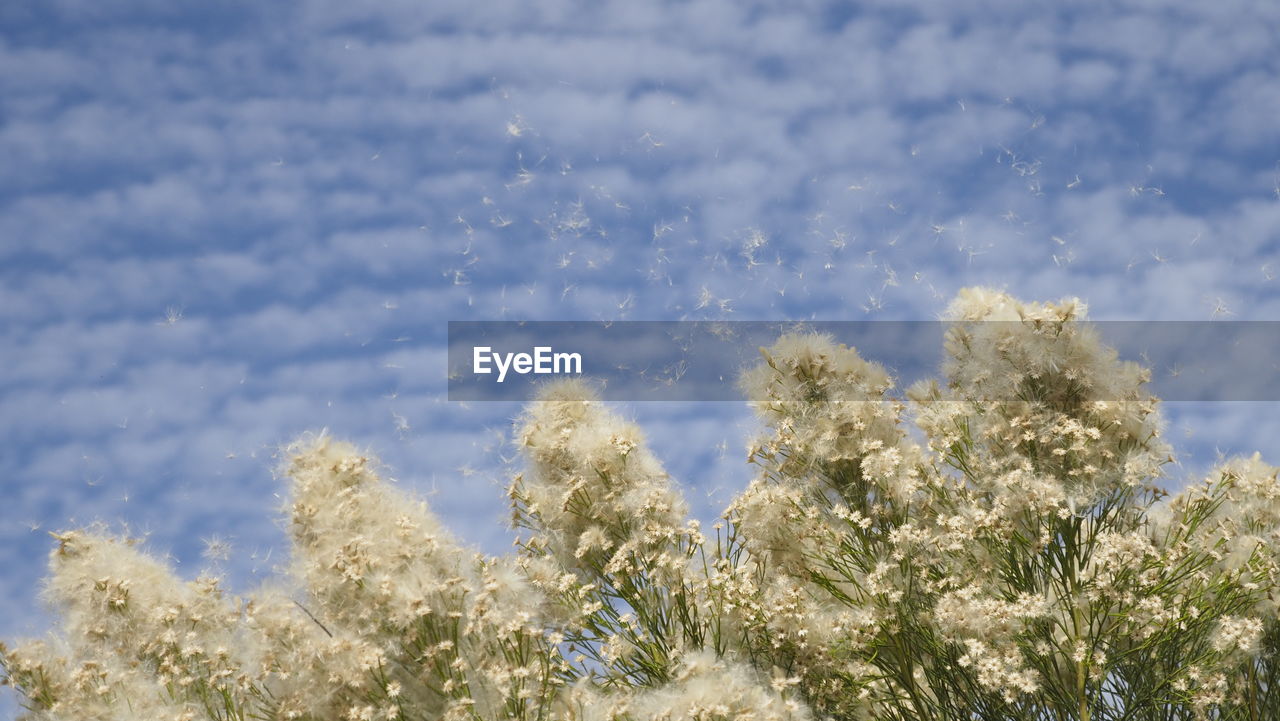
{"x": 226, "y": 224}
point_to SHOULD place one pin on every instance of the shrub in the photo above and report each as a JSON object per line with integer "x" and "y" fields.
{"x": 1016, "y": 558}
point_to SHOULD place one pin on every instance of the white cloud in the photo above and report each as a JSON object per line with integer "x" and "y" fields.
{"x": 219, "y": 230}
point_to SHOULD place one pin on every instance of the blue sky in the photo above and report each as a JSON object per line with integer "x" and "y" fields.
{"x": 222, "y": 224}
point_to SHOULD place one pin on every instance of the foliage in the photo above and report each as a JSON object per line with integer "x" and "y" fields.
{"x": 1013, "y": 557}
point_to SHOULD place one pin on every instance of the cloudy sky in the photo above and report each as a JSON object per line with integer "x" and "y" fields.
{"x": 223, "y": 224}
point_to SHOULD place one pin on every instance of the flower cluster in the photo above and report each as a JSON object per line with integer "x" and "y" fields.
{"x": 1013, "y": 556}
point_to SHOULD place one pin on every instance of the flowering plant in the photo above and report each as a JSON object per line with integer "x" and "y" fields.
{"x": 1014, "y": 557}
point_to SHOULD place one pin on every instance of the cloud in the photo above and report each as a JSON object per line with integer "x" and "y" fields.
{"x": 224, "y": 226}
